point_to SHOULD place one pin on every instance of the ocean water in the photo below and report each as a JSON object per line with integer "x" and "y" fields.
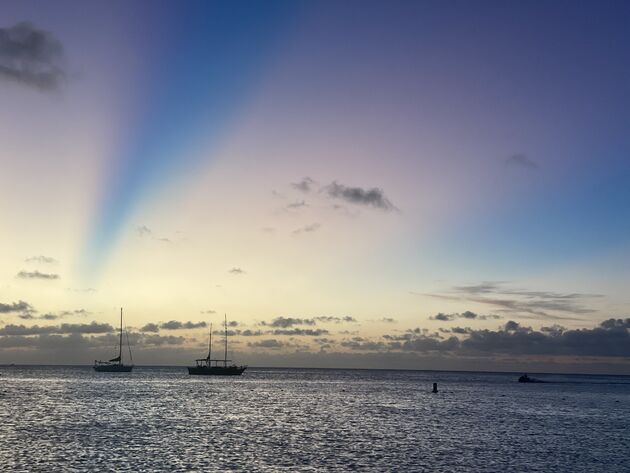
{"x": 160, "y": 419}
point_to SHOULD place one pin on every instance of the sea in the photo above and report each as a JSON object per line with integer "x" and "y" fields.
{"x": 72, "y": 419}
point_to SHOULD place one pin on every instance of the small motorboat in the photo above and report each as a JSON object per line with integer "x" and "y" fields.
{"x": 527, "y": 379}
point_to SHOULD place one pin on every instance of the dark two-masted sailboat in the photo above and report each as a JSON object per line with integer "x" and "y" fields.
{"x": 116, "y": 365}
{"x": 205, "y": 367}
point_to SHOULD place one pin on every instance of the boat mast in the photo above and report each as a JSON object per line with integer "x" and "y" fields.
{"x": 225, "y": 357}
{"x": 120, "y": 344}
{"x": 210, "y": 345}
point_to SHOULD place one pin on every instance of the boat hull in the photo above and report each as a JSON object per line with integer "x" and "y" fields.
{"x": 113, "y": 368}
{"x": 216, "y": 370}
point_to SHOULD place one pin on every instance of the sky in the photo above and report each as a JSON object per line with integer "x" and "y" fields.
{"x": 368, "y": 184}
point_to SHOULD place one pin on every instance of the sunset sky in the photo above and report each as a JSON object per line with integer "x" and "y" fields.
{"x": 404, "y": 184}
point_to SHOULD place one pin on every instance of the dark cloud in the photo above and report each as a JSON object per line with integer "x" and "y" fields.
{"x": 36, "y": 275}
{"x": 301, "y": 332}
{"x": 313, "y": 227}
{"x": 236, "y": 271}
{"x": 80, "y": 312}
{"x": 359, "y": 344}
{"x": 150, "y": 327}
{"x": 463, "y": 315}
{"x": 610, "y": 339}
{"x": 176, "y": 325}
{"x": 251, "y": 333}
{"x": 69, "y": 346}
{"x": 524, "y": 303}
{"x": 334, "y": 319}
{"x": 50, "y": 316}
{"x": 209, "y": 311}
{"x": 31, "y": 316}
{"x": 370, "y": 197}
{"x": 159, "y": 340}
{"x": 305, "y": 185}
{"x": 269, "y": 343}
{"x": 461, "y": 330}
{"x": 285, "y": 322}
{"x": 93, "y": 327}
{"x": 41, "y": 260}
{"x": 31, "y": 56}
{"x": 520, "y": 160}
{"x": 231, "y": 333}
{"x": 20, "y": 306}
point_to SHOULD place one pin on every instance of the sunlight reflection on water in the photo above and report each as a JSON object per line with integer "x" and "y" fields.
{"x": 160, "y": 419}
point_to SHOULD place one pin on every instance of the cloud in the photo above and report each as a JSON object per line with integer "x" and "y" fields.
{"x": 359, "y": 344}
{"x": 210, "y": 311}
{"x": 269, "y": 343}
{"x": 250, "y": 333}
{"x": 71, "y": 346}
{"x": 297, "y": 204}
{"x": 305, "y": 185}
{"x": 610, "y": 339}
{"x": 520, "y": 160}
{"x": 463, "y": 315}
{"x": 36, "y": 275}
{"x": 524, "y": 303}
{"x": 41, "y": 260}
{"x": 143, "y": 230}
{"x": 30, "y": 314}
{"x": 159, "y": 340}
{"x": 176, "y": 325}
{"x": 333, "y": 319}
{"x": 93, "y": 327}
{"x": 313, "y": 227}
{"x": 459, "y": 330}
{"x": 285, "y": 322}
{"x": 87, "y": 290}
{"x": 20, "y": 306}
{"x": 356, "y": 195}
{"x": 31, "y": 57}
{"x": 301, "y": 332}
{"x": 81, "y": 312}
{"x": 236, "y": 271}
{"x": 150, "y": 327}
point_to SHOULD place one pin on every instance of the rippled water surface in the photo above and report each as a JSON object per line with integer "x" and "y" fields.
{"x": 161, "y": 419}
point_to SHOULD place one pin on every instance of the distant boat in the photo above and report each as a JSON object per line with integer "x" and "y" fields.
{"x": 220, "y": 367}
{"x": 115, "y": 365}
{"x": 527, "y": 379}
